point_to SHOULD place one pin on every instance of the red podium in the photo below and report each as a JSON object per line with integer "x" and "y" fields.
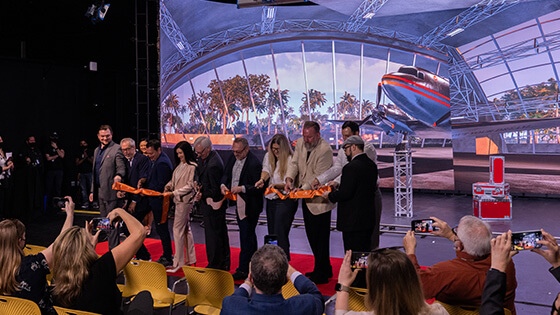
{"x": 491, "y": 200}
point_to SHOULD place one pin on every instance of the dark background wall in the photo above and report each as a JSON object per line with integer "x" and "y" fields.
{"x": 45, "y": 81}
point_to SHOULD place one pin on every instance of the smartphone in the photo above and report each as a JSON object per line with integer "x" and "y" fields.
{"x": 271, "y": 239}
{"x": 423, "y": 226}
{"x": 359, "y": 260}
{"x": 101, "y": 223}
{"x": 525, "y": 240}
{"x": 59, "y": 202}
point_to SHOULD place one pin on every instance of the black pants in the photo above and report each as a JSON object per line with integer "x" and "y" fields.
{"x": 318, "y": 230}
{"x": 247, "y": 241}
{"x": 279, "y": 218}
{"x": 378, "y": 208}
{"x": 162, "y": 229}
{"x": 217, "y": 239}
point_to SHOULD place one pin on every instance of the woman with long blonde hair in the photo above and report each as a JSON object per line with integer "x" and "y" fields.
{"x": 392, "y": 283}
{"x": 279, "y": 213}
{"x": 25, "y": 276}
{"x": 85, "y": 282}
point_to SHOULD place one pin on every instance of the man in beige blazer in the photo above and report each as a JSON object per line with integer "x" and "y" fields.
{"x": 313, "y": 156}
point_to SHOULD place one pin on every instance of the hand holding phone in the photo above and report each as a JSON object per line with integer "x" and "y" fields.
{"x": 423, "y": 226}
{"x": 526, "y": 240}
{"x": 271, "y": 239}
{"x": 101, "y": 223}
{"x": 359, "y": 260}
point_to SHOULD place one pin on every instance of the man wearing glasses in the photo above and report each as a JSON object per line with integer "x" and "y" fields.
{"x": 210, "y": 170}
{"x": 331, "y": 177}
{"x": 356, "y": 203}
{"x": 242, "y": 171}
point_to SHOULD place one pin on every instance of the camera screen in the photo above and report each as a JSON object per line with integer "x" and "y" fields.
{"x": 359, "y": 260}
{"x": 525, "y": 240}
{"x": 423, "y": 226}
{"x": 101, "y": 224}
{"x": 271, "y": 239}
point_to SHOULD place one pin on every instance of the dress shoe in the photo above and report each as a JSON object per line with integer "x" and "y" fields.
{"x": 239, "y": 275}
{"x": 165, "y": 261}
{"x": 172, "y": 269}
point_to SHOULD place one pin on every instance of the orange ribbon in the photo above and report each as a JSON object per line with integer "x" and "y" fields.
{"x": 149, "y": 193}
{"x": 231, "y": 196}
{"x": 299, "y": 194}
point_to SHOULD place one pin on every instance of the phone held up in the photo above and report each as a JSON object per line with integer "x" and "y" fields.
{"x": 359, "y": 260}
{"x": 59, "y": 202}
{"x": 271, "y": 239}
{"x": 525, "y": 240}
{"x": 101, "y": 223}
{"x": 423, "y": 226}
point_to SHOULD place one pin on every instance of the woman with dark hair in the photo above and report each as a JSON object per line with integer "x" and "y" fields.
{"x": 83, "y": 280}
{"x": 25, "y": 276}
{"x": 183, "y": 187}
{"x": 392, "y": 283}
{"x": 279, "y": 213}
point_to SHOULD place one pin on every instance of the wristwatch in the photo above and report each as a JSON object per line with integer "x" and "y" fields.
{"x": 341, "y": 287}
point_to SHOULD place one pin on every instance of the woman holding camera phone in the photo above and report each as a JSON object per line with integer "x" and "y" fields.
{"x": 84, "y": 281}
{"x": 392, "y": 284}
{"x": 279, "y": 213}
{"x": 25, "y": 276}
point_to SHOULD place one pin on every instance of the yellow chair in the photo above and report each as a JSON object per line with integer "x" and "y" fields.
{"x": 68, "y": 311}
{"x": 33, "y": 249}
{"x": 207, "y": 288}
{"x": 15, "y": 306}
{"x": 356, "y": 301}
{"x": 150, "y": 276}
{"x": 289, "y": 290}
{"x": 464, "y": 309}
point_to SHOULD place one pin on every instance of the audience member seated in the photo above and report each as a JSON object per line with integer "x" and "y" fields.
{"x": 269, "y": 271}
{"x": 84, "y": 281}
{"x": 495, "y": 286}
{"x": 460, "y": 281}
{"x": 393, "y": 286}
{"x": 25, "y": 276}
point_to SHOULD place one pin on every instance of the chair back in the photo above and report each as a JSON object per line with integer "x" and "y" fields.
{"x": 464, "y": 309}
{"x": 356, "y": 301}
{"x": 151, "y": 276}
{"x": 289, "y": 290}
{"x": 67, "y": 311}
{"x": 33, "y": 249}
{"x": 207, "y": 286}
{"x": 15, "y": 306}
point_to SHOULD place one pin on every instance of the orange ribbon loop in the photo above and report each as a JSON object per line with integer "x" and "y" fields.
{"x": 150, "y": 193}
{"x": 300, "y": 194}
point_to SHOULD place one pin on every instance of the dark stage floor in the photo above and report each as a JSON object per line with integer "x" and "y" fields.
{"x": 536, "y": 290}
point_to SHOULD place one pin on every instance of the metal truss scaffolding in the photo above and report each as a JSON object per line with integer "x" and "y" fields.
{"x": 402, "y": 159}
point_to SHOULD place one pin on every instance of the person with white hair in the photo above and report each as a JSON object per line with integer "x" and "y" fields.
{"x": 460, "y": 281}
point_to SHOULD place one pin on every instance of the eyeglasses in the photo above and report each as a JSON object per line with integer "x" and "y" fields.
{"x": 200, "y": 152}
{"x": 346, "y": 147}
{"x": 275, "y": 149}
{"x": 239, "y": 151}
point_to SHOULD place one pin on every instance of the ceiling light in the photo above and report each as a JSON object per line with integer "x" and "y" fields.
{"x": 455, "y": 32}
{"x": 368, "y": 15}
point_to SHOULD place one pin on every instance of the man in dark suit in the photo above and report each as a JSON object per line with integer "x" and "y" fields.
{"x": 269, "y": 272}
{"x": 242, "y": 171}
{"x": 108, "y": 167}
{"x": 160, "y": 173}
{"x": 210, "y": 171}
{"x": 355, "y": 197}
{"x": 137, "y": 171}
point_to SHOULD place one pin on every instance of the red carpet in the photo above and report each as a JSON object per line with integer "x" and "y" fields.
{"x": 302, "y": 262}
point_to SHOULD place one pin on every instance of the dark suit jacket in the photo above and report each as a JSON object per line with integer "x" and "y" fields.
{"x": 210, "y": 172}
{"x": 139, "y": 169}
{"x": 309, "y": 302}
{"x": 160, "y": 173}
{"x": 250, "y": 174}
{"x": 356, "y": 195}
{"x": 112, "y": 164}
{"x": 494, "y": 293}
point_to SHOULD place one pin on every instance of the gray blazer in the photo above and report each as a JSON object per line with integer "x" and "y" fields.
{"x": 112, "y": 164}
